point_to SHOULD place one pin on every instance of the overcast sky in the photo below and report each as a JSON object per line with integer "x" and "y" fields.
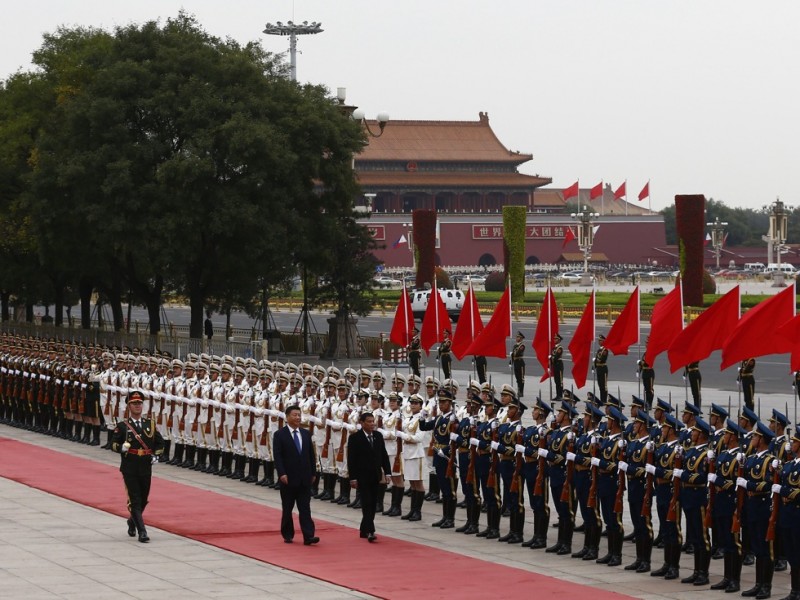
{"x": 697, "y": 97}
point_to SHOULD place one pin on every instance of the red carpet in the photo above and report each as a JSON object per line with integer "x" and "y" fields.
{"x": 253, "y": 530}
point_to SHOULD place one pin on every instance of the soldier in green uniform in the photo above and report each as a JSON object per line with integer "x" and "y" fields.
{"x": 557, "y": 365}
{"x": 747, "y": 381}
{"x": 445, "y": 359}
{"x": 415, "y": 352}
{"x": 601, "y": 368}
{"x": 518, "y": 362}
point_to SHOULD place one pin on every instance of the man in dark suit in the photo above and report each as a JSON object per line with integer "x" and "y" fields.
{"x": 369, "y": 467}
{"x": 293, "y": 453}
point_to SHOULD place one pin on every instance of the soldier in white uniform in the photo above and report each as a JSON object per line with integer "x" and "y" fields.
{"x": 430, "y": 407}
{"x": 323, "y": 439}
{"x": 277, "y": 402}
{"x": 415, "y": 450}
{"x": 227, "y": 417}
{"x": 106, "y": 402}
{"x": 204, "y": 438}
{"x": 262, "y": 393}
{"x": 188, "y": 393}
{"x": 392, "y": 425}
{"x": 176, "y": 407}
{"x": 340, "y": 427}
{"x": 308, "y": 406}
{"x": 241, "y": 417}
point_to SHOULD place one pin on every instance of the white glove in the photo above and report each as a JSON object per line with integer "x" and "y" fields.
{"x": 402, "y": 435}
{"x": 453, "y": 437}
{"x": 542, "y": 452}
{"x": 741, "y": 482}
{"x": 495, "y": 445}
{"x": 570, "y": 436}
{"x": 494, "y": 425}
{"x": 651, "y": 469}
{"x": 595, "y": 462}
{"x": 776, "y": 488}
{"x": 571, "y": 456}
{"x": 623, "y": 443}
{"x": 351, "y": 428}
{"x": 154, "y": 460}
{"x": 623, "y": 466}
{"x": 519, "y": 449}
{"x": 594, "y": 439}
{"x": 712, "y": 477}
{"x": 676, "y": 473}
{"x": 519, "y": 428}
{"x": 711, "y": 455}
{"x": 474, "y": 442}
{"x": 788, "y": 447}
{"x": 382, "y": 431}
{"x": 125, "y": 447}
{"x": 649, "y": 446}
{"x": 739, "y": 457}
{"x": 775, "y": 464}
{"x": 440, "y": 453}
{"x": 423, "y": 414}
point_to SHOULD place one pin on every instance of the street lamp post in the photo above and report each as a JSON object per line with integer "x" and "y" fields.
{"x": 585, "y": 220}
{"x": 293, "y": 30}
{"x": 717, "y": 237}
{"x": 778, "y": 224}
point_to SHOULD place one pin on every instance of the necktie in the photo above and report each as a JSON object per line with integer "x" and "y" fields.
{"x": 138, "y": 424}
{"x": 370, "y": 439}
{"x": 297, "y": 442}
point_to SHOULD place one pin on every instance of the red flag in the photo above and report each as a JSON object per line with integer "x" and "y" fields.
{"x": 546, "y": 329}
{"x": 620, "y": 192}
{"x": 469, "y": 325}
{"x": 596, "y": 191}
{"x": 580, "y": 347}
{"x": 791, "y": 331}
{"x": 706, "y": 333}
{"x": 492, "y": 340}
{"x": 568, "y": 237}
{"x": 756, "y": 334}
{"x": 645, "y": 193}
{"x": 625, "y": 330}
{"x": 571, "y": 191}
{"x": 435, "y": 321}
{"x": 403, "y": 325}
{"x": 666, "y": 323}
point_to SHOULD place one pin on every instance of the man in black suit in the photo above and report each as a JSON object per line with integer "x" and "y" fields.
{"x": 369, "y": 467}
{"x": 293, "y": 452}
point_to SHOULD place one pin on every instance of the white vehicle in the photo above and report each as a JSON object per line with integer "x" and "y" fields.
{"x": 387, "y": 282}
{"x": 453, "y": 301}
{"x": 757, "y": 266}
{"x": 784, "y": 268}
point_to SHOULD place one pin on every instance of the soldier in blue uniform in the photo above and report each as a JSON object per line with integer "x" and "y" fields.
{"x": 716, "y": 419}
{"x": 487, "y": 432}
{"x": 660, "y": 412}
{"x": 688, "y": 417}
{"x": 463, "y": 434}
{"x": 724, "y": 481}
{"x": 508, "y": 397}
{"x": 757, "y": 481}
{"x": 789, "y": 515}
{"x": 635, "y": 468}
{"x": 661, "y": 469}
{"x": 694, "y": 499}
{"x": 611, "y": 448}
{"x": 510, "y": 452}
{"x": 556, "y": 455}
{"x": 637, "y": 404}
{"x": 582, "y": 482}
{"x": 780, "y": 448}
{"x": 747, "y": 421}
{"x": 440, "y": 426}
{"x": 540, "y": 504}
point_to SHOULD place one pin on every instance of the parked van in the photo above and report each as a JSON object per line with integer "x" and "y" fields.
{"x": 754, "y": 266}
{"x": 453, "y": 301}
{"x": 784, "y": 268}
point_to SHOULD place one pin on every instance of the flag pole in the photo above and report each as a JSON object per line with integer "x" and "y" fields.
{"x": 550, "y": 338}
{"x": 510, "y": 331}
{"x": 435, "y": 300}
{"x": 639, "y": 336}
{"x": 626, "y": 197}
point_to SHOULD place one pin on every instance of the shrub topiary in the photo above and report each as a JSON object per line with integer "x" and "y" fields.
{"x": 443, "y": 278}
{"x": 709, "y": 284}
{"x": 495, "y": 282}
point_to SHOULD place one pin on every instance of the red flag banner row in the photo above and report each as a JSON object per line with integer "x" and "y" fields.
{"x": 597, "y": 191}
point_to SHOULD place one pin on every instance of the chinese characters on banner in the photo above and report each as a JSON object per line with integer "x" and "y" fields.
{"x": 532, "y": 232}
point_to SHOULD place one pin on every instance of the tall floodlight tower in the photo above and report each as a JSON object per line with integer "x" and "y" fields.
{"x": 293, "y": 30}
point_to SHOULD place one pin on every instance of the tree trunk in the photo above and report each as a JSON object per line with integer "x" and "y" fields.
{"x": 85, "y": 293}
{"x": 29, "y": 312}
{"x": 114, "y": 294}
{"x": 5, "y": 298}
{"x": 59, "y": 304}
{"x": 197, "y": 301}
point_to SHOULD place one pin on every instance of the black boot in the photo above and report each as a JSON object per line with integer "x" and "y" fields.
{"x": 493, "y": 514}
{"x": 380, "y": 498}
{"x": 356, "y": 503}
{"x": 345, "y": 487}
{"x": 703, "y": 562}
{"x": 696, "y": 571}
{"x": 131, "y": 527}
{"x": 328, "y": 484}
{"x": 485, "y": 532}
{"x": 736, "y": 574}
{"x": 87, "y": 433}
{"x": 95, "y": 436}
{"x": 467, "y": 523}
{"x": 178, "y": 457}
{"x": 634, "y": 566}
{"x": 519, "y": 527}
{"x": 139, "y": 522}
{"x": 726, "y": 577}
{"x": 78, "y": 425}
{"x": 164, "y": 455}
{"x": 675, "y": 561}
{"x": 449, "y": 510}
{"x": 252, "y": 472}
{"x": 200, "y": 460}
{"x": 566, "y": 541}
{"x": 433, "y": 488}
{"x": 269, "y": 474}
{"x": 541, "y": 523}
{"x": 767, "y": 571}
{"x": 227, "y": 459}
{"x": 444, "y": 515}
{"x": 213, "y": 462}
{"x": 240, "y": 462}
{"x": 603, "y": 560}
{"x": 647, "y": 551}
{"x": 188, "y": 463}
{"x": 756, "y": 589}
{"x": 594, "y": 543}
{"x": 314, "y": 486}
{"x": 417, "y": 500}
{"x": 794, "y": 594}
{"x": 665, "y": 567}
{"x": 616, "y": 548}
{"x": 512, "y": 523}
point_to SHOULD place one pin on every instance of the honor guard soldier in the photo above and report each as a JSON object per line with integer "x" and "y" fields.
{"x": 692, "y": 373}
{"x": 789, "y": 512}
{"x": 637, "y": 405}
{"x": 392, "y": 425}
{"x": 509, "y": 436}
{"x": 582, "y": 482}
{"x": 757, "y": 482}
{"x": 638, "y": 454}
{"x": 555, "y": 453}
{"x": 481, "y": 368}
{"x": 415, "y": 353}
{"x": 694, "y": 498}
{"x": 139, "y": 445}
{"x": 780, "y": 447}
{"x": 445, "y": 359}
{"x": 507, "y": 400}
{"x": 661, "y": 469}
{"x": 601, "y": 368}
{"x": 531, "y": 439}
{"x": 716, "y": 420}
{"x": 467, "y": 428}
{"x": 415, "y": 443}
{"x": 610, "y": 451}
{"x": 747, "y": 381}
{"x": 440, "y": 428}
{"x": 518, "y": 362}
{"x": 484, "y": 469}
{"x": 557, "y": 364}
{"x": 723, "y": 479}
{"x": 688, "y": 417}
{"x": 648, "y": 376}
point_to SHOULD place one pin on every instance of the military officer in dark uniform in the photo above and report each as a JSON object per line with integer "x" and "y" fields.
{"x": 608, "y": 455}
{"x": 694, "y": 498}
{"x": 601, "y": 368}
{"x": 518, "y": 362}
{"x": 441, "y": 428}
{"x": 688, "y": 417}
{"x": 140, "y": 445}
{"x": 481, "y": 368}
{"x": 556, "y": 455}
{"x": 469, "y": 485}
{"x": 747, "y": 381}
{"x": 692, "y": 372}
{"x": 415, "y": 352}
{"x": 789, "y": 515}
{"x": 533, "y": 437}
{"x": 716, "y": 420}
{"x": 557, "y": 365}
{"x": 445, "y": 359}
{"x": 486, "y": 434}
{"x": 510, "y": 451}
{"x": 726, "y": 467}
{"x": 661, "y": 469}
{"x": 648, "y": 376}
{"x": 780, "y": 448}
{"x": 757, "y": 482}
{"x": 582, "y": 482}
